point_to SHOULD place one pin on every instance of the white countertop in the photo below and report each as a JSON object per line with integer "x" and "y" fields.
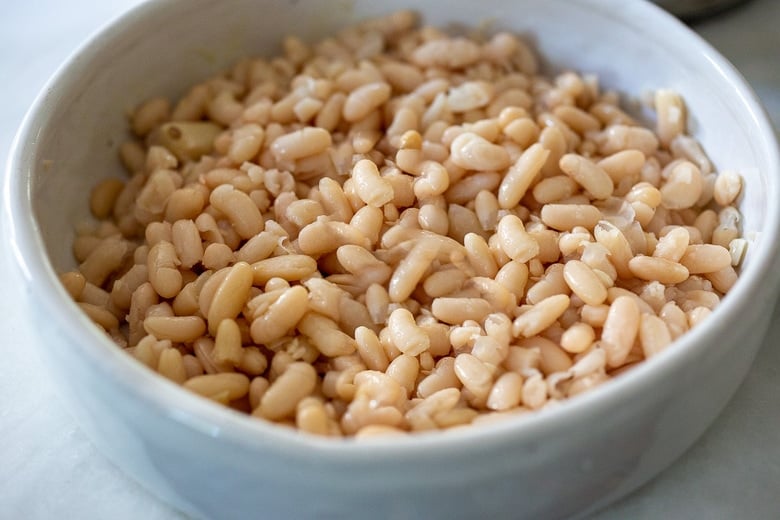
{"x": 48, "y": 467}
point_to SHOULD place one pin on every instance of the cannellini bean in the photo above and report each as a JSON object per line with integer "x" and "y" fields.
{"x": 473, "y": 152}
{"x": 521, "y": 175}
{"x": 301, "y": 143}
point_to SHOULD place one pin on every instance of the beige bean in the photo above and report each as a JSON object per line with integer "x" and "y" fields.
{"x": 185, "y": 203}
{"x": 154, "y": 195}
{"x": 687, "y": 147}
{"x": 728, "y": 186}
{"x": 257, "y": 388}
{"x": 301, "y": 143}
{"x": 492, "y": 350}
{"x": 514, "y": 277}
{"x": 189, "y": 140}
{"x": 74, "y": 282}
{"x": 224, "y": 107}
{"x": 683, "y": 187}
{"x": 334, "y": 200}
{"x": 227, "y": 343}
{"x": 697, "y": 315}
{"x": 458, "y": 310}
{"x": 653, "y": 335}
{"x": 230, "y": 295}
{"x": 329, "y": 115}
{"x": 620, "y": 330}
{"x": 371, "y": 187}
{"x": 100, "y": 315}
{"x": 737, "y": 249}
{"x": 104, "y": 259}
{"x": 164, "y": 274}
{"x": 365, "y": 99}
{"x": 442, "y": 283}
{"x": 451, "y": 53}
{"x": 659, "y": 269}
{"x": 311, "y": 417}
{"x": 521, "y": 175}
{"x": 594, "y": 315}
{"x": 402, "y": 76}
{"x": 467, "y": 189}
{"x": 618, "y": 137}
{"x": 282, "y": 397}
{"x": 565, "y": 217}
{"x": 104, "y": 196}
{"x": 673, "y": 244}
{"x": 325, "y": 335}
{"x": 705, "y": 258}
{"x": 370, "y": 349}
{"x": 133, "y": 156}
{"x": 171, "y": 366}
{"x": 588, "y": 175}
{"x": 584, "y": 282}
{"x": 675, "y": 319}
{"x": 405, "y": 369}
{"x": 671, "y": 115}
{"x": 433, "y": 218}
{"x": 253, "y": 362}
{"x": 257, "y": 248}
{"x": 554, "y": 189}
{"x": 433, "y": 180}
{"x": 217, "y": 256}
{"x": 626, "y": 164}
{"x": 411, "y": 270}
{"x": 469, "y": 95}
{"x": 722, "y": 280}
{"x": 246, "y": 142}
{"x": 405, "y": 334}
{"x": 157, "y": 232}
{"x": 223, "y": 388}
{"x": 239, "y": 208}
{"x": 515, "y": 241}
{"x": 183, "y": 329}
{"x": 540, "y": 316}
{"x": 474, "y": 375}
{"x": 534, "y": 392}
{"x": 473, "y": 152}
{"x": 507, "y": 392}
{"x": 288, "y": 267}
{"x": 552, "y": 358}
{"x": 479, "y": 255}
{"x": 578, "y": 338}
{"x": 281, "y": 316}
{"x": 150, "y": 114}
{"x": 203, "y": 348}
{"x": 523, "y": 131}
{"x": 551, "y": 283}
{"x": 613, "y": 239}
{"x": 187, "y": 243}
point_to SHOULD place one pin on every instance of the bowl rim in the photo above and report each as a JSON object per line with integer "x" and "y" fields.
{"x": 166, "y": 398}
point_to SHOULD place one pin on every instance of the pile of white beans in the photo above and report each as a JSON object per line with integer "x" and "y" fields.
{"x": 396, "y": 230}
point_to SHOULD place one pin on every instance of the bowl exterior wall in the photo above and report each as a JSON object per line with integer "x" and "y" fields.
{"x": 568, "y": 472}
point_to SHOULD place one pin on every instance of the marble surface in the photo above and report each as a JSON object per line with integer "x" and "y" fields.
{"x": 50, "y": 469}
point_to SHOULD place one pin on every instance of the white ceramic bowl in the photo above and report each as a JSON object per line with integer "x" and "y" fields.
{"x": 212, "y": 462}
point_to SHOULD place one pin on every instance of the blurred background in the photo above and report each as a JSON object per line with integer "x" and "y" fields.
{"x": 50, "y": 469}
{"x": 693, "y": 10}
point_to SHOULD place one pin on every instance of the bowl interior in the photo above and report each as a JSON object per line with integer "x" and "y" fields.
{"x": 72, "y": 137}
